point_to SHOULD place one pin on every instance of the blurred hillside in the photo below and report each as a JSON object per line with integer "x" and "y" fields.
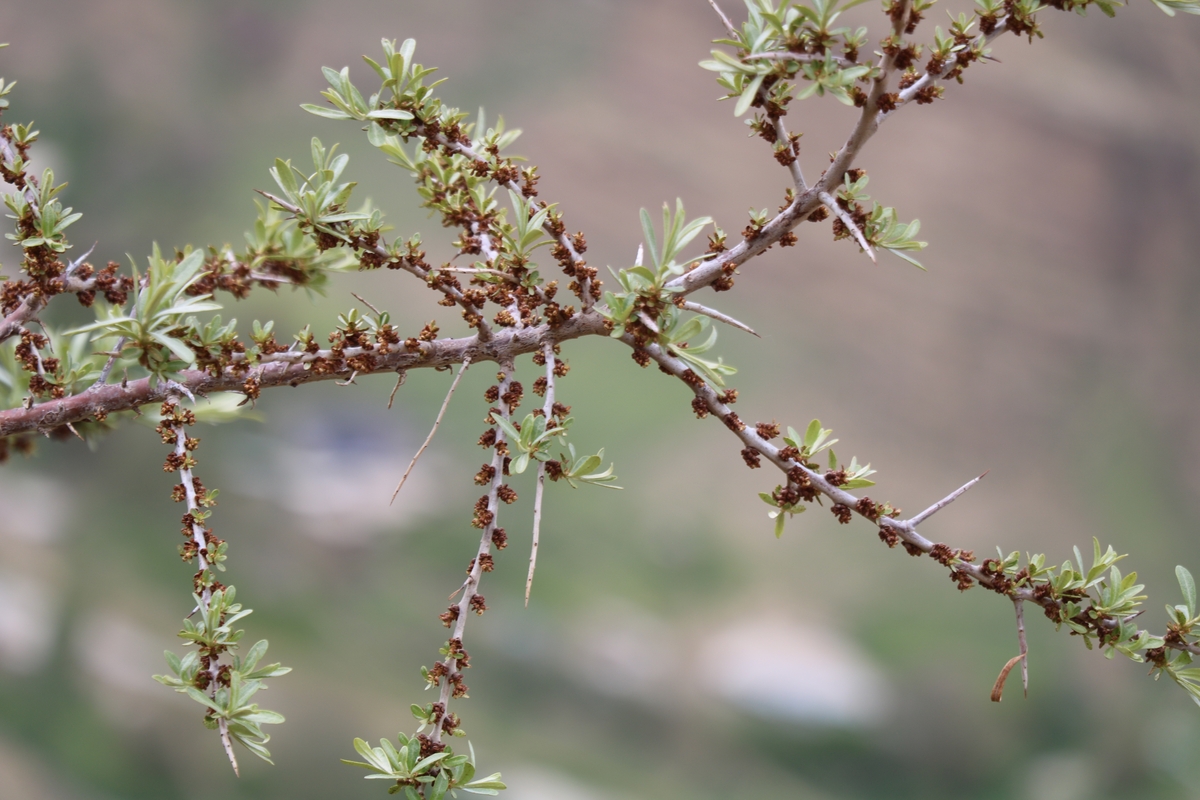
{"x": 673, "y": 647}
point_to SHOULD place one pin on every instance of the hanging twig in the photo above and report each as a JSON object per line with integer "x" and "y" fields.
{"x": 1019, "y": 605}
{"x": 399, "y": 382}
{"x": 359, "y": 298}
{"x": 548, "y": 411}
{"x": 112, "y": 359}
{"x": 466, "y": 363}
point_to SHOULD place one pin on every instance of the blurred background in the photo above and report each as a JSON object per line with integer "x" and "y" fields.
{"x": 673, "y": 647}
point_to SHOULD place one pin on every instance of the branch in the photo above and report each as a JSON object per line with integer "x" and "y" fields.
{"x": 904, "y": 531}
{"x": 907, "y": 95}
{"x": 293, "y": 369}
{"x": 408, "y": 266}
{"x": 579, "y": 266}
{"x": 450, "y": 682}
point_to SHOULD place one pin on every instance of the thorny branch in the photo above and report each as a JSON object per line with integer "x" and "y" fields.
{"x": 447, "y": 674}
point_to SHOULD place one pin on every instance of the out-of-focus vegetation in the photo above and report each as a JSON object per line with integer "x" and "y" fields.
{"x": 1052, "y": 341}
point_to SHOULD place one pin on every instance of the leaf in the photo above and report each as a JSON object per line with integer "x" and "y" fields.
{"x": 322, "y": 111}
{"x": 748, "y": 95}
{"x": 1188, "y": 586}
{"x": 648, "y": 232}
{"x": 510, "y": 433}
{"x": 376, "y": 759}
{"x": 811, "y": 433}
{"x": 390, "y": 113}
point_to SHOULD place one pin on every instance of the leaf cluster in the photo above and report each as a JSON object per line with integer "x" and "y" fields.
{"x": 434, "y": 775}
{"x": 228, "y": 699}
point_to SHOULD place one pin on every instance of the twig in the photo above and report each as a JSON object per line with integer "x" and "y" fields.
{"x": 112, "y": 359}
{"x": 717, "y": 315}
{"x": 848, "y": 221}
{"x": 399, "y": 382}
{"x": 1019, "y": 605}
{"x": 728, "y": 25}
{"x": 445, "y": 403}
{"x": 906, "y": 95}
{"x": 940, "y": 504}
{"x": 365, "y": 303}
{"x": 782, "y": 135}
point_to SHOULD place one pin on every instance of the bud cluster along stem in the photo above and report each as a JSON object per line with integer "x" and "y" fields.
{"x": 447, "y": 675}
{"x": 201, "y": 545}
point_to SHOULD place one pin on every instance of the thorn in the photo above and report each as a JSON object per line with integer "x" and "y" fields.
{"x": 349, "y": 380}
{"x": 717, "y": 315}
{"x": 537, "y": 524}
{"x": 228, "y": 746}
{"x": 649, "y": 323}
{"x": 279, "y": 202}
{"x": 848, "y": 221}
{"x": 71, "y": 428}
{"x": 940, "y": 504}
{"x": 179, "y": 388}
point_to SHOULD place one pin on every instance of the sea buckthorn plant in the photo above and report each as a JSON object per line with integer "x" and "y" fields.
{"x": 520, "y": 283}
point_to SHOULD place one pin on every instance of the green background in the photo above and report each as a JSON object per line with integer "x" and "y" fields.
{"x": 673, "y": 647}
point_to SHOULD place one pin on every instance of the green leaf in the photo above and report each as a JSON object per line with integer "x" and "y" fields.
{"x": 747, "y": 96}
{"x": 510, "y": 432}
{"x": 322, "y": 111}
{"x": 1188, "y": 586}
{"x": 390, "y": 113}
{"x": 811, "y": 433}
